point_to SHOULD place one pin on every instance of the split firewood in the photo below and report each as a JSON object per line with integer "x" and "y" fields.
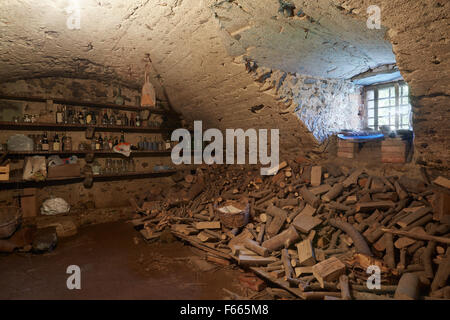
{"x": 255, "y": 247}
{"x": 442, "y": 273}
{"x": 418, "y": 236}
{"x": 309, "y": 197}
{"x": 328, "y": 270}
{"x": 278, "y": 241}
{"x": 285, "y": 258}
{"x": 408, "y": 287}
{"x": 279, "y": 217}
{"x": 344, "y": 286}
{"x": 359, "y": 241}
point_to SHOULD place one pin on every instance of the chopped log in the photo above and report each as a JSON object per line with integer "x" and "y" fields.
{"x": 442, "y": 273}
{"x": 345, "y": 290}
{"x": 334, "y": 192}
{"x": 287, "y": 202}
{"x": 260, "y": 237}
{"x": 408, "y": 287}
{"x": 358, "y": 239}
{"x": 371, "y": 206}
{"x": 324, "y": 188}
{"x": 353, "y": 178}
{"x": 442, "y": 182}
{"x": 390, "y": 254}
{"x": 255, "y": 247}
{"x": 217, "y": 260}
{"x": 383, "y": 288}
{"x": 305, "y": 223}
{"x": 402, "y": 194}
{"x": 311, "y": 295}
{"x": 205, "y": 237}
{"x": 302, "y": 270}
{"x": 417, "y": 236}
{"x": 328, "y": 270}
{"x": 412, "y": 217}
{"x": 278, "y": 241}
{"x": 207, "y": 225}
{"x": 210, "y": 211}
{"x": 294, "y": 213}
{"x": 316, "y": 176}
{"x": 309, "y": 197}
{"x": 274, "y": 170}
{"x": 426, "y": 259}
{"x": 278, "y": 273}
{"x": 279, "y": 217}
{"x": 285, "y": 258}
{"x": 306, "y": 256}
{"x": 245, "y": 260}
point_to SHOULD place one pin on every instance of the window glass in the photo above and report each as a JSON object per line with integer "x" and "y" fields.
{"x": 389, "y": 113}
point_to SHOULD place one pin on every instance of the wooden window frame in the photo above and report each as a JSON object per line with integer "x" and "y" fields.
{"x": 397, "y": 97}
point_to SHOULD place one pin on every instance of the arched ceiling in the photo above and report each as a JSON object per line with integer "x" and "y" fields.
{"x": 114, "y": 37}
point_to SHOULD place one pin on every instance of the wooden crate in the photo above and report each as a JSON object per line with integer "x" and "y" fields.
{"x": 346, "y": 149}
{"x": 4, "y": 173}
{"x": 393, "y": 151}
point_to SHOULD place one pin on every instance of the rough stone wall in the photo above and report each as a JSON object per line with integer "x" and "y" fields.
{"x": 103, "y": 194}
{"x": 198, "y": 51}
{"x": 420, "y": 33}
{"x": 324, "y": 106}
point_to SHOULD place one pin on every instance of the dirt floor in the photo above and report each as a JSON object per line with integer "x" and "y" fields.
{"x": 115, "y": 263}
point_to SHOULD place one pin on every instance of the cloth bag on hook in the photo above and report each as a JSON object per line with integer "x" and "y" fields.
{"x": 148, "y": 96}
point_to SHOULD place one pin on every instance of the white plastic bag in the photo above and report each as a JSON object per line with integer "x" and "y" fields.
{"x": 35, "y": 168}
{"x": 54, "y": 206}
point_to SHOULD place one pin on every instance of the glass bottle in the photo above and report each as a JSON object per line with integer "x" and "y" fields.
{"x": 105, "y": 119}
{"x": 45, "y": 145}
{"x": 99, "y": 143}
{"x": 56, "y": 142}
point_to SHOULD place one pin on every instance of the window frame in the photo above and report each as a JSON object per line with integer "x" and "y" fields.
{"x": 397, "y": 97}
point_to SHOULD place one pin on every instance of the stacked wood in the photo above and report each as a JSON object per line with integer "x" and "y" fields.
{"x": 313, "y": 230}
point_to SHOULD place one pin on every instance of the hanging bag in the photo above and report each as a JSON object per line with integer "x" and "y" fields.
{"x": 148, "y": 96}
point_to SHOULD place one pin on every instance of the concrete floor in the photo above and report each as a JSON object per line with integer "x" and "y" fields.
{"x": 115, "y": 264}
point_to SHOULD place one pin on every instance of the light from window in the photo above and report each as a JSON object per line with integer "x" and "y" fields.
{"x": 388, "y": 105}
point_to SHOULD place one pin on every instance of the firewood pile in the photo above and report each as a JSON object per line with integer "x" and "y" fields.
{"x": 318, "y": 232}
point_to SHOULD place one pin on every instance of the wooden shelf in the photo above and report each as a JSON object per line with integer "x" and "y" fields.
{"x": 89, "y": 104}
{"x": 40, "y": 126}
{"x": 119, "y": 176}
{"x": 106, "y": 153}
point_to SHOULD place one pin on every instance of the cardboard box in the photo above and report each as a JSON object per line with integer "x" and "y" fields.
{"x": 64, "y": 171}
{"x": 28, "y": 202}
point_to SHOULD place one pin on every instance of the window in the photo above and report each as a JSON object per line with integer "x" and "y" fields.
{"x": 388, "y": 105}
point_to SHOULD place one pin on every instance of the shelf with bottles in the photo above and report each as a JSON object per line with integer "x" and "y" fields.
{"x": 94, "y": 105}
{"x": 55, "y": 143}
